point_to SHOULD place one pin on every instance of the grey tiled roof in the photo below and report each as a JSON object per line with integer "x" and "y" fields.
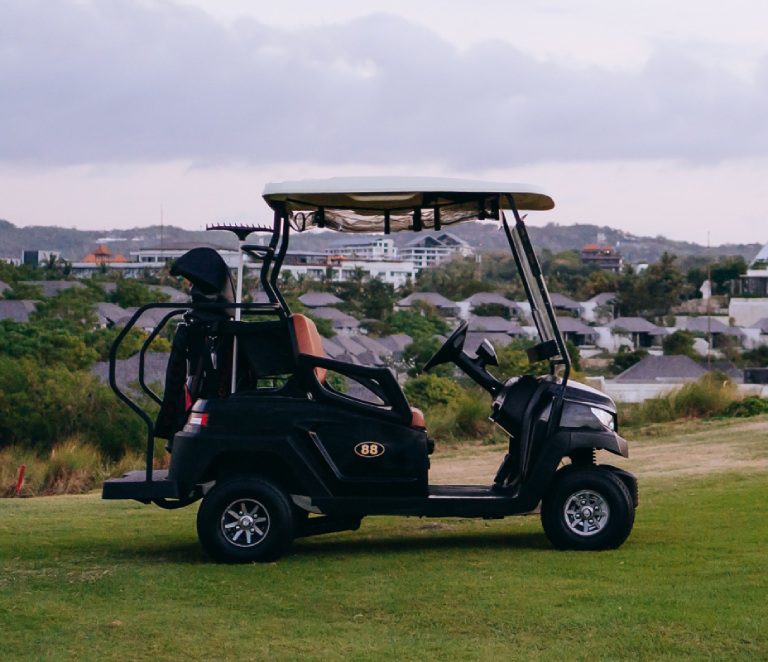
{"x": 636, "y": 325}
{"x": 483, "y": 298}
{"x": 474, "y": 339}
{"x": 761, "y": 324}
{"x": 493, "y": 324}
{"x": 316, "y": 299}
{"x": 573, "y": 325}
{"x": 50, "y": 288}
{"x": 430, "y": 297}
{"x": 109, "y": 313}
{"x": 702, "y": 325}
{"x": 604, "y": 298}
{"x": 562, "y": 301}
{"x": 336, "y": 317}
{"x": 397, "y": 342}
{"x": 127, "y": 370}
{"x": 174, "y": 295}
{"x": 373, "y": 345}
{"x": 332, "y": 349}
{"x": 663, "y": 369}
{"x": 349, "y": 345}
{"x": 17, "y": 310}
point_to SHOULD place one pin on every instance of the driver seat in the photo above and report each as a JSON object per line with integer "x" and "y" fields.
{"x": 310, "y": 342}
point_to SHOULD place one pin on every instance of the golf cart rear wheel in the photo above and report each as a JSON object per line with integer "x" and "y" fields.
{"x": 245, "y": 519}
{"x": 587, "y": 509}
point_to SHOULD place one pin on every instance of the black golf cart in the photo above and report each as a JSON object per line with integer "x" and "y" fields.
{"x": 262, "y": 427}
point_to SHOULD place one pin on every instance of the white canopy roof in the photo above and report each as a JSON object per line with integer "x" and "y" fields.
{"x": 371, "y": 204}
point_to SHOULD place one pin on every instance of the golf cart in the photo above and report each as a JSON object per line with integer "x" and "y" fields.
{"x": 262, "y": 428}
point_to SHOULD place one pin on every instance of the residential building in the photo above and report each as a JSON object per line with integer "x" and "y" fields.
{"x": 341, "y": 322}
{"x": 576, "y": 331}
{"x": 642, "y": 333}
{"x": 444, "y": 306}
{"x": 755, "y": 282}
{"x": 565, "y": 305}
{"x": 430, "y": 249}
{"x": 602, "y": 256}
{"x": 600, "y": 309}
{"x": 675, "y": 369}
{"x": 514, "y": 310}
{"x": 381, "y": 248}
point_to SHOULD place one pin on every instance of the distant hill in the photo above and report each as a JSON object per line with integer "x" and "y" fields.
{"x": 75, "y": 244}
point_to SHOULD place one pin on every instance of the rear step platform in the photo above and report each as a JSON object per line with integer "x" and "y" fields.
{"x": 134, "y": 485}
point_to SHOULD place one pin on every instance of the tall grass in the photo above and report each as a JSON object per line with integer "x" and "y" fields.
{"x": 710, "y": 396}
{"x": 463, "y": 419}
{"x": 70, "y": 467}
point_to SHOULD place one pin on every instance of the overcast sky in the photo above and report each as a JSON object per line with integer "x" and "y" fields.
{"x": 650, "y": 117}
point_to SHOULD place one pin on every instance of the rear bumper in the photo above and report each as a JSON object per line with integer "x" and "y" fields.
{"x": 134, "y": 485}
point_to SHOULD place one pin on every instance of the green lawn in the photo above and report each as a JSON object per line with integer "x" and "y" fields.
{"x": 85, "y": 579}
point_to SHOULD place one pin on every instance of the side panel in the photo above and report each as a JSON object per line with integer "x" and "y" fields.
{"x": 320, "y": 448}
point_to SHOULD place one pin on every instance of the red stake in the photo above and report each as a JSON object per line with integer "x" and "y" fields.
{"x": 20, "y": 479}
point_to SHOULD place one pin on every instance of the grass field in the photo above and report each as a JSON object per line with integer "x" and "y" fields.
{"x": 86, "y": 579}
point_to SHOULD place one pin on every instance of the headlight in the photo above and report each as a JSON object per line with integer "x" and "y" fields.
{"x": 605, "y": 417}
{"x": 576, "y": 415}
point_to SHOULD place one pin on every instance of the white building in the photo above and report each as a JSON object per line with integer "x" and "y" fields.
{"x": 429, "y": 250}
{"x": 313, "y": 265}
{"x": 382, "y": 248}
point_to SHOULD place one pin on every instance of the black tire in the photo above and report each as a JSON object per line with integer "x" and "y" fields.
{"x": 587, "y": 509}
{"x": 245, "y": 519}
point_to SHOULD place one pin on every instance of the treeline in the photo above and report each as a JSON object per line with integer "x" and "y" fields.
{"x": 47, "y": 392}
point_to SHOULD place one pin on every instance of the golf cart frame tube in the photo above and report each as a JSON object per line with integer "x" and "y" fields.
{"x": 535, "y": 269}
{"x": 174, "y": 310}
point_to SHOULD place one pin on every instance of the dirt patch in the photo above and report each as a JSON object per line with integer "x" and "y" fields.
{"x": 741, "y": 447}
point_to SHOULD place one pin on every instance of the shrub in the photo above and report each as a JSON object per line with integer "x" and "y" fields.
{"x": 427, "y": 391}
{"x": 465, "y": 418}
{"x": 706, "y": 397}
{"x": 752, "y": 405}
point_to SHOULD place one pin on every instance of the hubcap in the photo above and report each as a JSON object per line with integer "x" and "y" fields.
{"x": 586, "y": 513}
{"x": 245, "y": 522}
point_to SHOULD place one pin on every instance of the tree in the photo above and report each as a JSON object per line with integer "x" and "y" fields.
{"x": 456, "y": 279}
{"x": 423, "y": 321}
{"x": 491, "y": 310}
{"x": 46, "y": 342}
{"x": 130, "y": 292}
{"x": 72, "y": 307}
{"x": 680, "y": 342}
{"x": 653, "y": 292}
{"x": 626, "y": 358}
{"x": 420, "y": 351}
{"x": 427, "y": 391}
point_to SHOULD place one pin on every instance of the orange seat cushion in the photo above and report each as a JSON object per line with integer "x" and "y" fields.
{"x": 309, "y": 341}
{"x": 417, "y": 418}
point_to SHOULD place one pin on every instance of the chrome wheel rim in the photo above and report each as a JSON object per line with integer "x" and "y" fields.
{"x": 586, "y": 513}
{"x": 245, "y": 523}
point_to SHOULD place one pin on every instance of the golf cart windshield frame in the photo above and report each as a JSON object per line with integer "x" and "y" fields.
{"x": 551, "y": 343}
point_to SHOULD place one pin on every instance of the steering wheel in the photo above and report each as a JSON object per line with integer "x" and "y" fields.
{"x": 451, "y": 348}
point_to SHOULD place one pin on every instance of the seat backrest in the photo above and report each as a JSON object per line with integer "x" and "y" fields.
{"x": 309, "y": 341}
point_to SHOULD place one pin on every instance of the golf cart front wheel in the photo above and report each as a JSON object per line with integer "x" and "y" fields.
{"x": 245, "y": 519}
{"x": 587, "y": 509}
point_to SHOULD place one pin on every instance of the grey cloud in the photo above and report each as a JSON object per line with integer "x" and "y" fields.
{"x": 125, "y": 81}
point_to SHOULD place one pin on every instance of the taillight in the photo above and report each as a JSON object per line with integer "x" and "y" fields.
{"x": 197, "y": 419}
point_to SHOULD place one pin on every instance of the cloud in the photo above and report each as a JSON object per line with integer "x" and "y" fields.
{"x": 123, "y": 81}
